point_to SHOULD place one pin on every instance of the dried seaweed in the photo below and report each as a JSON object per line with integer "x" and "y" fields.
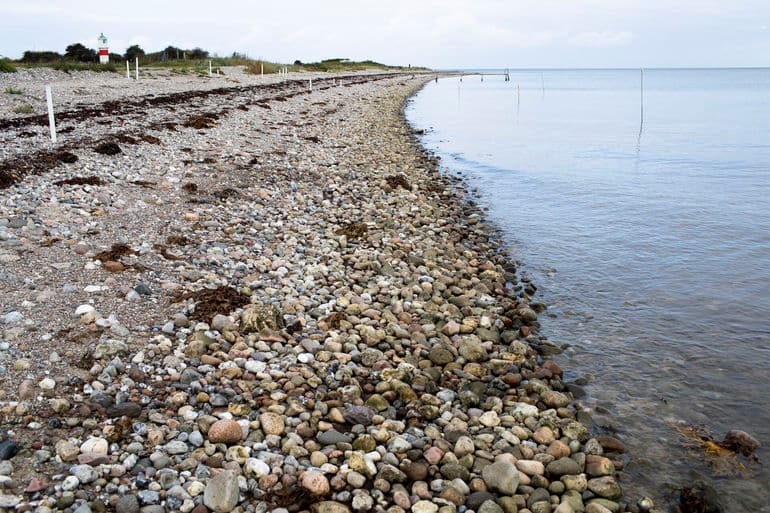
{"x": 396, "y": 181}
{"x": 177, "y": 240}
{"x": 144, "y": 183}
{"x": 202, "y": 121}
{"x": 80, "y": 180}
{"x": 115, "y": 253}
{"x": 163, "y": 250}
{"x": 107, "y": 148}
{"x": 210, "y": 302}
{"x": 354, "y": 230}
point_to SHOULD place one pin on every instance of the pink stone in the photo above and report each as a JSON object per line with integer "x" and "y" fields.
{"x": 35, "y": 485}
{"x": 433, "y": 455}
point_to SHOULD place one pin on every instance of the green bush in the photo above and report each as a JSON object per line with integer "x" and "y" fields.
{"x": 12, "y": 90}
{"x": 80, "y": 66}
{"x": 6, "y": 66}
{"x": 24, "y": 109}
{"x": 36, "y": 57}
{"x": 255, "y": 67}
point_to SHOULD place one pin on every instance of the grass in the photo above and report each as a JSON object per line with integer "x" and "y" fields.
{"x": 24, "y": 109}
{"x": 11, "y": 90}
{"x": 201, "y": 66}
{"x": 340, "y": 65}
{"x": 256, "y": 67}
{"x": 72, "y": 66}
{"x": 7, "y": 66}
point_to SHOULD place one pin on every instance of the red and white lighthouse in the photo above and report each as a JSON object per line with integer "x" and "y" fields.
{"x": 104, "y": 52}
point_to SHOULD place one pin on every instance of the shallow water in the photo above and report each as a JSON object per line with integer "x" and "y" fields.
{"x": 647, "y": 231}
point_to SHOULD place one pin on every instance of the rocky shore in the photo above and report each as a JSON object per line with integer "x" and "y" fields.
{"x": 266, "y": 298}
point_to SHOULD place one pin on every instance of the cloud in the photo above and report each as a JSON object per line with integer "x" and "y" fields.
{"x": 604, "y": 39}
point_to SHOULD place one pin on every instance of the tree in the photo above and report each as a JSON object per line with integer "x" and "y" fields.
{"x": 30, "y": 56}
{"x": 173, "y": 53}
{"x": 132, "y": 52}
{"x": 78, "y": 52}
{"x": 198, "y": 53}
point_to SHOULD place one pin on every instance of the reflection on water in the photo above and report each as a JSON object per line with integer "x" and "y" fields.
{"x": 647, "y": 229}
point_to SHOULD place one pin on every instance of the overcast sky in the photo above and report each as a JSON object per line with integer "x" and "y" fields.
{"x": 434, "y": 33}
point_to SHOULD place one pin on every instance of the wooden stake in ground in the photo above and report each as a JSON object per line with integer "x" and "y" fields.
{"x": 51, "y": 122}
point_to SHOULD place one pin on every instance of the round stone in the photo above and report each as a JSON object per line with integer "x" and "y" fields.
{"x": 47, "y": 384}
{"x": 272, "y": 423}
{"x": 501, "y": 476}
{"x": 95, "y": 446}
{"x": 315, "y": 482}
{"x": 424, "y": 507}
{"x": 226, "y": 431}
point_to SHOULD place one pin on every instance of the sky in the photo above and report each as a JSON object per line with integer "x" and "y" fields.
{"x": 439, "y": 34}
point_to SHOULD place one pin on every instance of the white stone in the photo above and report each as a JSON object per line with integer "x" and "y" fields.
{"x": 84, "y": 309}
{"x": 255, "y": 468}
{"x": 525, "y": 410}
{"x": 47, "y": 384}
{"x": 95, "y": 446}
{"x": 424, "y": 507}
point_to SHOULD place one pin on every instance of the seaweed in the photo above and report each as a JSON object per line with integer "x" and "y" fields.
{"x": 177, "y": 240}
{"x": 127, "y": 139}
{"x": 66, "y": 157}
{"x": 107, "y": 148}
{"x": 163, "y": 250}
{"x": 732, "y": 456}
{"x": 396, "y": 181}
{"x": 144, "y": 183}
{"x": 80, "y": 180}
{"x": 210, "y": 302}
{"x": 354, "y": 230}
{"x": 201, "y": 122}
{"x": 115, "y": 253}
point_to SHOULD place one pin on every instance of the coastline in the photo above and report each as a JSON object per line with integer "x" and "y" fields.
{"x": 384, "y": 361}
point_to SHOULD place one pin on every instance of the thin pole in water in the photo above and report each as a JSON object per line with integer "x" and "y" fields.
{"x": 641, "y": 112}
{"x": 51, "y": 122}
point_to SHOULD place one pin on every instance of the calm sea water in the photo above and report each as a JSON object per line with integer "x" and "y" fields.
{"x": 648, "y": 234}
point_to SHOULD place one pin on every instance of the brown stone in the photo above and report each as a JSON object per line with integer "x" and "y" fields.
{"x": 113, "y": 266}
{"x": 225, "y": 431}
{"x": 610, "y": 443}
{"x": 544, "y": 435}
{"x": 559, "y": 449}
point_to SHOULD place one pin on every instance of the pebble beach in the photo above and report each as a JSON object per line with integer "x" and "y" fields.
{"x": 243, "y": 294}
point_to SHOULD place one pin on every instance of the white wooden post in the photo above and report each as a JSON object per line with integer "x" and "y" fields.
{"x": 261, "y": 70}
{"x": 209, "y": 68}
{"x": 51, "y": 122}
{"x": 137, "y": 69}
{"x": 310, "y": 85}
{"x": 128, "y": 71}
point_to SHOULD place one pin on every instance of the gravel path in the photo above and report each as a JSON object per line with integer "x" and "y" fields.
{"x": 269, "y": 299}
